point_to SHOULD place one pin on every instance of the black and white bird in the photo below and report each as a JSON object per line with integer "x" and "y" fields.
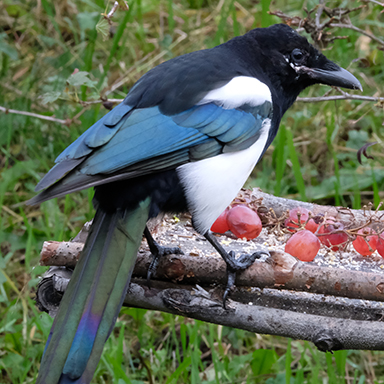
{"x": 186, "y": 138}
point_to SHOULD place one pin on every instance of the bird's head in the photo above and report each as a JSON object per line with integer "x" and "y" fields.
{"x": 291, "y": 63}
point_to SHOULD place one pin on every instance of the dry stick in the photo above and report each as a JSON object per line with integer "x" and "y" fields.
{"x": 327, "y": 333}
{"x": 347, "y": 96}
{"x": 351, "y": 26}
{"x": 281, "y": 271}
{"x": 31, "y": 114}
{"x": 375, "y": 2}
{"x": 57, "y": 279}
{"x": 319, "y": 12}
{"x": 117, "y": 101}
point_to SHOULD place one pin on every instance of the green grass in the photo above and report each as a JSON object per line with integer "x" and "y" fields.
{"x": 313, "y": 158}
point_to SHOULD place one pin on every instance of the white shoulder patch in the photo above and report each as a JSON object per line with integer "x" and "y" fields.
{"x": 239, "y": 91}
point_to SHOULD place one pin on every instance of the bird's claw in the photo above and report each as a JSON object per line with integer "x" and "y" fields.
{"x": 238, "y": 264}
{"x": 157, "y": 253}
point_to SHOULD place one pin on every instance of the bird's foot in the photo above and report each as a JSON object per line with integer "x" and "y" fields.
{"x": 235, "y": 265}
{"x": 158, "y": 251}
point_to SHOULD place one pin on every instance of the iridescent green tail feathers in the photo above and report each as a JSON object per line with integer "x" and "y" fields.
{"x": 94, "y": 297}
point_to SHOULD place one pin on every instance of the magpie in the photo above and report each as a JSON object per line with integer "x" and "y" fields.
{"x": 185, "y": 138}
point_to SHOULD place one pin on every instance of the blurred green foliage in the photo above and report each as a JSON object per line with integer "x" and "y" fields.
{"x": 56, "y": 55}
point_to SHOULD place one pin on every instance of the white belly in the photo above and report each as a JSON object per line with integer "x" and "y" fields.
{"x": 211, "y": 184}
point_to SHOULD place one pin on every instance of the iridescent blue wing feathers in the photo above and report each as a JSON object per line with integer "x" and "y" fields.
{"x": 129, "y": 144}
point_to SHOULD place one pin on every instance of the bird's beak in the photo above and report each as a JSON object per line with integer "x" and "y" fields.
{"x": 338, "y": 77}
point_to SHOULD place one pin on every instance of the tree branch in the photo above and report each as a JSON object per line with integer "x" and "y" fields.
{"x": 347, "y": 96}
{"x": 374, "y": 2}
{"x": 253, "y": 311}
{"x": 281, "y": 271}
{"x": 109, "y": 102}
{"x": 325, "y": 332}
{"x": 100, "y": 101}
{"x": 351, "y": 26}
{"x": 31, "y": 114}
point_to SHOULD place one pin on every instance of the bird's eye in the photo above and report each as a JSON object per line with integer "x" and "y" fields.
{"x": 297, "y": 56}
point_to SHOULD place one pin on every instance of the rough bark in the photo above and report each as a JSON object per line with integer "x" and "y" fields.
{"x": 269, "y": 311}
{"x": 281, "y": 270}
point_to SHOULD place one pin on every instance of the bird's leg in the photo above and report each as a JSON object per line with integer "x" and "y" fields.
{"x": 157, "y": 252}
{"x": 233, "y": 264}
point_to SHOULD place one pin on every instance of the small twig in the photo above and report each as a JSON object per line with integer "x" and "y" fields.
{"x": 100, "y": 101}
{"x": 319, "y": 12}
{"x": 374, "y": 2}
{"x": 108, "y": 16}
{"x": 36, "y": 115}
{"x": 346, "y": 96}
{"x": 113, "y": 10}
{"x": 351, "y": 26}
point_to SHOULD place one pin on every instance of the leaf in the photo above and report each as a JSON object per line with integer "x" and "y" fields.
{"x": 49, "y": 41}
{"x": 8, "y": 327}
{"x": 2, "y": 278}
{"x": 102, "y": 27}
{"x": 87, "y": 20}
{"x": 15, "y": 10}
{"x": 50, "y": 97}
{"x": 262, "y": 361}
{"x": 356, "y": 138}
{"x": 348, "y": 182}
{"x": 81, "y": 78}
{"x": 6, "y": 48}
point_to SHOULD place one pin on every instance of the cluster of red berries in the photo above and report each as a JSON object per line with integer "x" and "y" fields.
{"x": 309, "y": 234}
{"x": 305, "y": 243}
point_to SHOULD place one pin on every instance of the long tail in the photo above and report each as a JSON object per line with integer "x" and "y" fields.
{"x": 94, "y": 297}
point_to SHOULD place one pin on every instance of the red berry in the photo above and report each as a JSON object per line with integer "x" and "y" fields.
{"x": 221, "y": 225}
{"x": 244, "y": 222}
{"x": 304, "y": 245}
{"x": 311, "y": 226}
{"x": 293, "y": 220}
{"x": 336, "y": 241}
{"x": 380, "y": 245}
{"x": 365, "y": 245}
